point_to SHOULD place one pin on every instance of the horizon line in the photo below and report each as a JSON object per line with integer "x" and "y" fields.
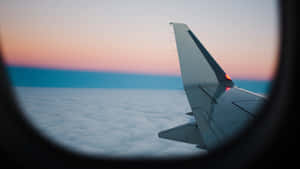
{"x": 118, "y": 72}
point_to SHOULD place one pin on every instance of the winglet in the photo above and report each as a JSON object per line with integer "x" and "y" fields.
{"x": 198, "y": 67}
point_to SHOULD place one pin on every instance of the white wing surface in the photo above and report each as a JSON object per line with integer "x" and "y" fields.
{"x": 220, "y": 109}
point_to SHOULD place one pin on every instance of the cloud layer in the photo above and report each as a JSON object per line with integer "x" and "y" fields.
{"x": 109, "y": 122}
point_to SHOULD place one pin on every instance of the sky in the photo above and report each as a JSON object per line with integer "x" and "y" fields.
{"x": 135, "y": 37}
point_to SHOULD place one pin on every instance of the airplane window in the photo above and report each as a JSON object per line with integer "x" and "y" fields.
{"x": 115, "y": 79}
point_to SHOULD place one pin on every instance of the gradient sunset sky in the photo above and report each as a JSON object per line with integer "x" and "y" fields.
{"x": 135, "y": 37}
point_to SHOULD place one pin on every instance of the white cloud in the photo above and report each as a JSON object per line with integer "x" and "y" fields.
{"x": 111, "y": 122}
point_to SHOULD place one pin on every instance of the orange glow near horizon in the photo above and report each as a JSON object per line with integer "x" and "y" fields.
{"x": 146, "y": 59}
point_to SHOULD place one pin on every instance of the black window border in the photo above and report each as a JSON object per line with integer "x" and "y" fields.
{"x": 275, "y": 128}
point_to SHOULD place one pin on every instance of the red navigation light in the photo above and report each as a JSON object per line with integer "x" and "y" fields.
{"x": 227, "y": 77}
{"x": 227, "y": 88}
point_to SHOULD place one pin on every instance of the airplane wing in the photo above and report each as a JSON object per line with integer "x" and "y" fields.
{"x": 220, "y": 109}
